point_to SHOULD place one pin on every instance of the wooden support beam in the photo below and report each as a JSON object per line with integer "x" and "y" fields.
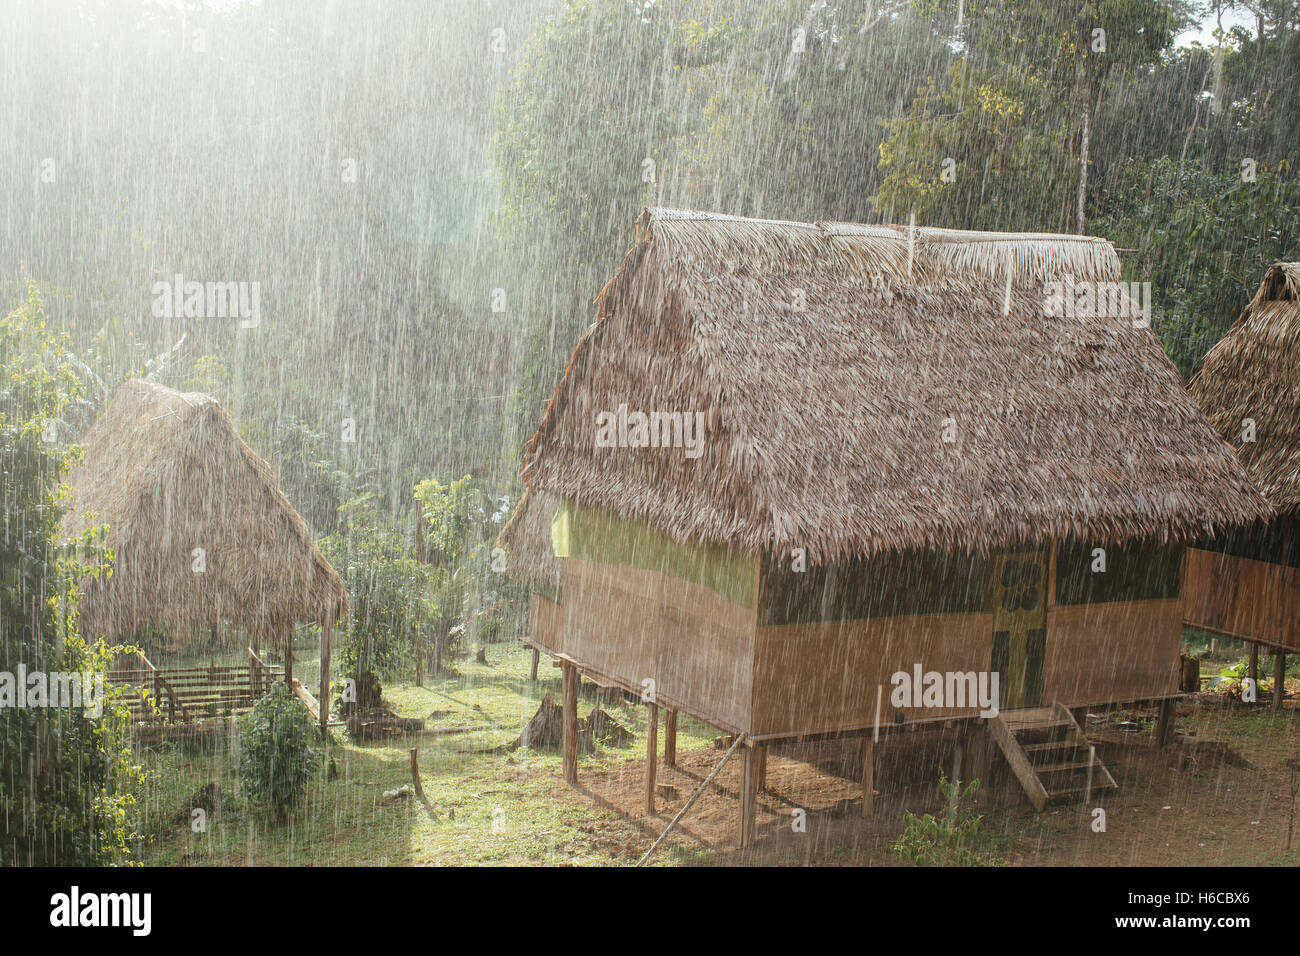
{"x": 1166, "y": 724}
{"x": 532, "y": 673}
{"x": 570, "y": 708}
{"x": 748, "y": 797}
{"x": 691, "y": 802}
{"x": 651, "y": 755}
{"x": 1279, "y": 678}
{"x": 762, "y": 766}
{"x": 868, "y": 775}
{"x": 324, "y": 677}
{"x": 1253, "y": 673}
{"x": 670, "y": 739}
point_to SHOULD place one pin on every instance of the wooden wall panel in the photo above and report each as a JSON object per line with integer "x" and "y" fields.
{"x": 631, "y": 624}
{"x": 823, "y": 676}
{"x": 544, "y": 621}
{"x": 1241, "y": 597}
{"x": 1105, "y": 653}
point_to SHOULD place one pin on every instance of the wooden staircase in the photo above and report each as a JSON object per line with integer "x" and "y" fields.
{"x": 1050, "y": 754}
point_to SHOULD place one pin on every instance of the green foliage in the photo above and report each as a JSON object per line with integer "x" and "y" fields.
{"x": 65, "y": 773}
{"x": 456, "y": 530}
{"x": 389, "y": 593}
{"x": 952, "y": 839}
{"x": 277, "y": 757}
{"x": 1203, "y": 239}
{"x": 1011, "y": 112}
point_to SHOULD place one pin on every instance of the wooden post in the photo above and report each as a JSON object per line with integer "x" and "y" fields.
{"x": 532, "y": 673}
{"x": 762, "y": 767}
{"x": 1279, "y": 679}
{"x": 324, "y": 701}
{"x": 868, "y": 775}
{"x": 651, "y": 755}
{"x": 1166, "y": 725}
{"x": 748, "y": 796}
{"x": 415, "y": 771}
{"x": 288, "y": 654}
{"x": 670, "y": 739}
{"x": 975, "y": 761}
{"x": 570, "y": 679}
{"x": 1253, "y": 673}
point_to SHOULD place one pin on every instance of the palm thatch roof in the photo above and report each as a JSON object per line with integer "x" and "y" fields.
{"x": 527, "y": 540}
{"x": 168, "y": 473}
{"x": 1250, "y": 374}
{"x": 831, "y": 360}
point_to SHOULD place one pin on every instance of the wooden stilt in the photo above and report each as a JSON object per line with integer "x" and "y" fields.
{"x": 868, "y": 775}
{"x": 324, "y": 677}
{"x": 691, "y": 802}
{"x": 670, "y": 739}
{"x": 651, "y": 756}
{"x": 1166, "y": 725}
{"x": 570, "y": 708}
{"x": 762, "y": 767}
{"x": 975, "y": 761}
{"x": 1279, "y": 679}
{"x": 748, "y": 797}
{"x": 532, "y": 673}
{"x": 1253, "y": 673}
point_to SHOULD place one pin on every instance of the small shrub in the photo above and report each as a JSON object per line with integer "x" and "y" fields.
{"x": 277, "y": 755}
{"x": 948, "y": 840}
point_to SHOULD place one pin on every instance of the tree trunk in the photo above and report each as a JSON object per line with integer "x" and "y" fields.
{"x": 1085, "y": 136}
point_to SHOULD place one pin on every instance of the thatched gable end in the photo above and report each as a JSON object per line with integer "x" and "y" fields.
{"x": 1247, "y": 388}
{"x": 871, "y": 388}
{"x": 168, "y": 473}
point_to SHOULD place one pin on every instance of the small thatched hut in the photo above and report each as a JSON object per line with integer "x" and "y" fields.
{"x": 791, "y": 462}
{"x": 1246, "y": 583}
{"x": 199, "y": 528}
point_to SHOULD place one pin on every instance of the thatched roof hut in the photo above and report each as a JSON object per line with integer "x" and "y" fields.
{"x": 793, "y": 461}
{"x": 826, "y": 358}
{"x": 1250, "y": 374}
{"x": 1238, "y": 583}
{"x": 167, "y": 472}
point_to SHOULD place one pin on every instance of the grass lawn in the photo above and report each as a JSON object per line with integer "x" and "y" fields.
{"x": 484, "y": 808}
{"x": 488, "y": 806}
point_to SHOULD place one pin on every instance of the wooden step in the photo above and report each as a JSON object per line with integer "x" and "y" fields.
{"x": 1049, "y": 745}
{"x": 1029, "y": 716}
{"x": 1007, "y": 729}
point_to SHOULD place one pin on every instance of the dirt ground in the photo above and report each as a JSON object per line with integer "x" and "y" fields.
{"x": 1223, "y": 794}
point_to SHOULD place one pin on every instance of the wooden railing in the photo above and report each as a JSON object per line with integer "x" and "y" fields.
{"x": 183, "y": 694}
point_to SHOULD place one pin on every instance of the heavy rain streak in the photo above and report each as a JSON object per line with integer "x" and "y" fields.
{"x": 649, "y": 432}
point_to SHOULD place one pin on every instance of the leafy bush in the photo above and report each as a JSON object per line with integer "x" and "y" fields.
{"x": 948, "y": 840}
{"x": 66, "y": 773}
{"x": 277, "y": 756}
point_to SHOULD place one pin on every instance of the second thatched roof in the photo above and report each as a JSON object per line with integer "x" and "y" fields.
{"x": 1250, "y": 377}
{"x": 869, "y": 388}
{"x": 168, "y": 474}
